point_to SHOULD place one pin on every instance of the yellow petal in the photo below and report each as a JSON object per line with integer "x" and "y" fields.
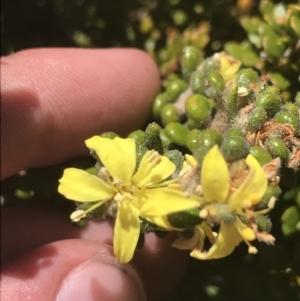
{"x": 228, "y": 66}
{"x": 80, "y": 186}
{"x": 117, "y": 155}
{"x": 215, "y": 179}
{"x": 160, "y": 221}
{"x": 159, "y": 172}
{"x": 163, "y": 201}
{"x": 253, "y": 188}
{"x": 126, "y": 231}
{"x": 227, "y": 239}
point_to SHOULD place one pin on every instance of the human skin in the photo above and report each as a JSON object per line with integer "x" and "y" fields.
{"x": 51, "y": 101}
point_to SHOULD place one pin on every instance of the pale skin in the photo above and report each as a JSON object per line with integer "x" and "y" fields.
{"x": 51, "y": 101}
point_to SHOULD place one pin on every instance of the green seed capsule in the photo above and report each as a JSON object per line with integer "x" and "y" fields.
{"x": 269, "y": 100}
{"x": 230, "y": 100}
{"x": 159, "y": 102}
{"x": 260, "y": 154}
{"x": 197, "y": 108}
{"x": 177, "y": 133}
{"x": 277, "y": 148}
{"x": 138, "y": 136}
{"x": 191, "y": 58}
{"x": 192, "y": 141}
{"x": 175, "y": 88}
{"x": 291, "y": 107}
{"x": 200, "y": 153}
{"x": 210, "y": 137}
{"x": 169, "y": 114}
{"x": 288, "y": 118}
{"x": 110, "y": 135}
{"x": 235, "y": 148}
{"x": 257, "y": 118}
{"x": 197, "y": 82}
{"x": 247, "y": 76}
{"x": 216, "y": 80}
{"x": 185, "y": 219}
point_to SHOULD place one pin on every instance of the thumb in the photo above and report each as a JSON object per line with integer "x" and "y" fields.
{"x": 70, "y": 270}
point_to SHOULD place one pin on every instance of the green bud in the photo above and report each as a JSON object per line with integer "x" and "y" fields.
{"x": 274, "y": 45}
{"x": 291, "y": 216}
{"x": 201, "y": 152}
{"x": 138, "y": 136}
{"x": 288, "y": 118}
{"x": 175, "y": 157}
{"x": 185, "y": 219}
{"x": 291, "y": 107}
{"x": 230, "y": 100}
{"x": 110, "y": 135}
{"x": 269, "y": 100}
{"x": 146, "y": 226}
{"x": 297, "y": 100}
{"x": 140, "y": 242}
{"x": 197, "y": 108}
{"x": 210, "y": 137}
{"x": 192, "y": 140}
{"x": 141, "y": 149}
{"x": 169, "y": 114}
{"x": 166, "y": 141}
{"x": 197, "y": 82}
{"x": 175, "y": 88}
{"x": 193, "y": 124}
{"x": 247, "y": 76}
{"x": 209, "y": 65}
{"x": 225, "y": 214}
{"x": 263, "y": 222}
{"x": 257, "y": 118}
{"x": 234, "y": 133}
{"x": 278, "y": 148}
{"x": 216, "y": 80}
{"x": 152, "y": 138}
{"x": 260, "y": 154}
{"x": 95, "y": 214}
{"x": 287, "y": 230}
{"x": 235, "y": 148}
{"x": 271, "y": 191}
{"x": 23, "y": 194}
{"x": 177, "y": 133}
{"x": 159, "y": 102}
{"x": 191, "y": 58}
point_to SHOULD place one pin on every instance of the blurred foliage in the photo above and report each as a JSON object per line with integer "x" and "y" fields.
{"x": 261, "y": 34}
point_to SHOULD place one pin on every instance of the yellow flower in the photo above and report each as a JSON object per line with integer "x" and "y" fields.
{"x": 215, "y": 184}
{"x": 120, "y": 182}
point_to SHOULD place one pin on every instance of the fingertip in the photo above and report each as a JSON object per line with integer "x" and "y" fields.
{"x": 70, "y": 270}
{"x": 54, "y": 99}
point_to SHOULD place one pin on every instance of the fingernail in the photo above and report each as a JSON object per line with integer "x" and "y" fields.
{"x": 102, "y": 278}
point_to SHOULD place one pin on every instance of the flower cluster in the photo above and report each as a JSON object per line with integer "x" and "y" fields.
{"x": 151, "y": 189}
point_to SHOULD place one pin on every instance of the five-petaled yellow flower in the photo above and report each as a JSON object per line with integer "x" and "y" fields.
{"x": 119, "y": 181}
{"x": 216, "y": 190}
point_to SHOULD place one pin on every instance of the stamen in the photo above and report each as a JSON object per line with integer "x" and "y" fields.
{"x": 104, "y": 173}
{"x": 154, "y": 158}
{"x": 252, "y": 250}
{"x": 77, "y": 215}
{"x": 119, "y": 197}
{"x": 203, "y": 213}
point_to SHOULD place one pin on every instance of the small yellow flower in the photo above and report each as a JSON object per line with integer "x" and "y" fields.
{"x": 215, "y": 184}
{"x": 119, "y": 181}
